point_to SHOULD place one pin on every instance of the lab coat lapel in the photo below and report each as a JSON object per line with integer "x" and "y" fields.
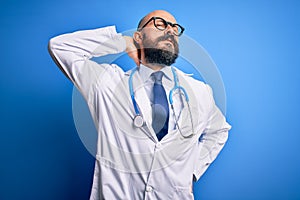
{"x": 185, "y": 116}
{"x": 143, "y": 103}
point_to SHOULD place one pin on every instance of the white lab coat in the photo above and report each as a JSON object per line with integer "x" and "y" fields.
{"x": 130, "y": 162}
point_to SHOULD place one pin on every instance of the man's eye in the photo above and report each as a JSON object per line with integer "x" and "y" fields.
{"x": 160, "y": 24}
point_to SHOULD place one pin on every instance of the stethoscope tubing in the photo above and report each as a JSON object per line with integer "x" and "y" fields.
{"x": 138, "y": 119}
{"x": 137, "y": 112}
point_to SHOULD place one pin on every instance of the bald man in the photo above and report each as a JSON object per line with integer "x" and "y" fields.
{"x": 158, "y": 128}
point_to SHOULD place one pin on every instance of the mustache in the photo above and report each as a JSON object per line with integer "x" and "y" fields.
{"x": 167, "y": 37}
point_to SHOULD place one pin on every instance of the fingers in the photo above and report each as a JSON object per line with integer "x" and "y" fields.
{"x": 131, "y": 50}
{"x": 137, "y": 62}
{"x": 134, "y": 56}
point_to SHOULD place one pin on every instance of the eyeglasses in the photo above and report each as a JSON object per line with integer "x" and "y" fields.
{"x": 162, "y": 25}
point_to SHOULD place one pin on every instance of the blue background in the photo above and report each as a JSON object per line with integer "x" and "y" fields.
{"x": 255, "y": 44}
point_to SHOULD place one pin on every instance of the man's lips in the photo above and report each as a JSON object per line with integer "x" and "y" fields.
{"x": 168, "y": 43}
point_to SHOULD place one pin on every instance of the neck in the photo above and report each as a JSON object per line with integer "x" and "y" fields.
{"x": 153, "y": 66}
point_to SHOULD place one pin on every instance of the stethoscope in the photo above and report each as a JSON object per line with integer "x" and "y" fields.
{"x": 138, "y": 120}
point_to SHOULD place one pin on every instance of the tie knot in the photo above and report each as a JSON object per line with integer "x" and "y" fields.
{"x": 157, "y": 76}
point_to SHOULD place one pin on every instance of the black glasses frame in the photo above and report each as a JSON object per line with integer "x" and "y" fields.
{"x": 165, "y": 25}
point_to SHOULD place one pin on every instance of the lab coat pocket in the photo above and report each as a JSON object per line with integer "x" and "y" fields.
{"x": 182, "y": 193}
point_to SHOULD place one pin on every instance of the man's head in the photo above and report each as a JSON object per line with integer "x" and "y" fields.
{"x": 157, "y": 38}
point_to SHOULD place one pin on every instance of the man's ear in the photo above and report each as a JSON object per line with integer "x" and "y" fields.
{"x": 138, "y": 37}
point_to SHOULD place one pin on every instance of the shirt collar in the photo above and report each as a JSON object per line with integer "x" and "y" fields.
{"x": 145, "y": 72}
{"x": 168, "y": 72}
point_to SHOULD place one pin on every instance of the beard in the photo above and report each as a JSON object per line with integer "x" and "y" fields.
{"x": 161, "y": 56}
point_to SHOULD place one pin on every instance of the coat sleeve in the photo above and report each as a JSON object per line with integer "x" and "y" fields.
{"x": 212, "y": 139}
{"x": 72, "y": 53}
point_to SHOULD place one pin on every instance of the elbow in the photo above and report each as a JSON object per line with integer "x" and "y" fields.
{"x": 51, "y": 45}
{"x": 51, "y": 49}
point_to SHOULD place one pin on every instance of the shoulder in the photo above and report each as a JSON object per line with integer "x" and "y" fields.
{"x": 191, "y": 80}
{"x": 201, "y": 89}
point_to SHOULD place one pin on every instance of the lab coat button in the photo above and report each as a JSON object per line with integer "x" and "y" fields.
{"x": 149, "y": 189}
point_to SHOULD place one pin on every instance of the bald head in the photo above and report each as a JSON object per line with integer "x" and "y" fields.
{"x": 157, "y": 13}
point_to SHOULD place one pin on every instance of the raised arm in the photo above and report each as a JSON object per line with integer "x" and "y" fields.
{"x": 72, "y": 53}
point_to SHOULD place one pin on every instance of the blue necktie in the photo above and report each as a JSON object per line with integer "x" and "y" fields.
{"x": 160, "y": 107}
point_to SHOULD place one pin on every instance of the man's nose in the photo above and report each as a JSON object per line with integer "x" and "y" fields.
{"x": 169, "y": 30}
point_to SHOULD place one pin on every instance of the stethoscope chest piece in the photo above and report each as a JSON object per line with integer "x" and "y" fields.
{"x": 138, "y": 121}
